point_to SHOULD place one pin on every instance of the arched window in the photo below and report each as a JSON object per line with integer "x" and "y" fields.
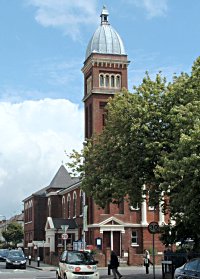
{"x": 74, "y": 204}
{"x": 31, "y": 210}
{"x": 63, "y": 206}
{"x": 81, "y": 202}
{"x": 25, "y": 213}
{"x": 107, "y": 80}
{"x": 118, "y": 81}
{"x": 49, "y": 206}
{"x": 68, "y": 205}
{"x": 112, "y": 81}
{"x": 101, "y": 80}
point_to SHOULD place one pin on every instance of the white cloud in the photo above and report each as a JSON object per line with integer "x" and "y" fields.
{"x": 154, "y": 8}
{"x": 34, "y": 136}
{"x": 68, "y": 15}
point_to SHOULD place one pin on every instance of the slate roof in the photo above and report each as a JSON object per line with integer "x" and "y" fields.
{"x": 62, "y": 180}
{"x": 57, "y": 222}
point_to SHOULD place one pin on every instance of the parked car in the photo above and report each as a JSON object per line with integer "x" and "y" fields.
{"x": 189, "y": 270}
{"x": 16, "y": 259}
{"x": 3, "y": 254}
{"x": 77, "y": 265}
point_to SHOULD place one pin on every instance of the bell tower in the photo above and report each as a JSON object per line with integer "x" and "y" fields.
{"x": 105, "y": 73}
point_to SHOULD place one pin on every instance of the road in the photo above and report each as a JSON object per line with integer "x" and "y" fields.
{"x": 46, "y": 273}
{"x": 29, "y": 273}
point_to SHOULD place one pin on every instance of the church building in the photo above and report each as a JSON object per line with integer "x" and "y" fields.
{"x": 59, "y": 209}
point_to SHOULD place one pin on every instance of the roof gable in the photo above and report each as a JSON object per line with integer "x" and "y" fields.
{"x": 111, "y": 221}
{"x": 61, "y": 179}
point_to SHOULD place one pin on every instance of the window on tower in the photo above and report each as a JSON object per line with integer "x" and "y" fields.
{"x": 110, "y": 80}
{"x": 101, "y": 80}
{"x": 107, "y": 80}
{"x": 118, "y": 81}
{"x": 89, "y": 84}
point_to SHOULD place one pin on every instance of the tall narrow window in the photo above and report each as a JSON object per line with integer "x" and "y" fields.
{"x": 121, "y": 207}
{"x": 81, "y": 202}
{"x": 63, "y": 207}
{"x": 68, "y": 206}
{"x": 74, "y": 204}
{"x": 49, "y": 206}
{"x": 107, "y": 208}
{"x": 112, "y": 81}
{"x": 107, "y": 80}
{"x": 86, "y": 123}
{"x": 90, "y": 121}
{"x": 31, "y": 210}
{"x": 118, "y": 81}
{"x": 101, "y": 80}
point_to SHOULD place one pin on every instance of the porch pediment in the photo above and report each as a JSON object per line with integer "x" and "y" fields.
{"x": 111, "y": 221}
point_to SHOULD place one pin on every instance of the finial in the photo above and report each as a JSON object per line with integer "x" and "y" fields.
{"x": 104, "y": 15}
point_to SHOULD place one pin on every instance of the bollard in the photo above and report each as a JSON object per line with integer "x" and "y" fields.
{"x": 29, "y": 259}
{"x": 38, "y": 261}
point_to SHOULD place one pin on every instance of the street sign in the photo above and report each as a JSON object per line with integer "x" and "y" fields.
{"x": 64, "y": 236}
{"x": 153, "y": 227}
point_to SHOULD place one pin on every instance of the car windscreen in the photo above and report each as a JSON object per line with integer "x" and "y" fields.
{"x": 80, "y": 258}
{"x": 13, "y": 254}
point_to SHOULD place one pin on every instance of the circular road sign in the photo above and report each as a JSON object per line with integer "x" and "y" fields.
{"x": 64, "y": 236}
{"x": 153, "y": 227}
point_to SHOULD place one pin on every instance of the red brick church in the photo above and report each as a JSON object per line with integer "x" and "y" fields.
{"x": 62, "y": 205}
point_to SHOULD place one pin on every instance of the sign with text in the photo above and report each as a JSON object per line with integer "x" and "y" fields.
{"x": 153, "y": 227}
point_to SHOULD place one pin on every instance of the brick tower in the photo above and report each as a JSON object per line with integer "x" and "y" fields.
{"x": 105, "y": 73}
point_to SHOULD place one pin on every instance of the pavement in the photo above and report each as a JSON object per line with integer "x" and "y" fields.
{"x": 128, "y": 272}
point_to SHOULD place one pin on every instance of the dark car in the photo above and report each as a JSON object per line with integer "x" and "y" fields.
{"x": 189, "y": 270}
{"x": 16, "y": 259}
{"x": 3, "y": 254}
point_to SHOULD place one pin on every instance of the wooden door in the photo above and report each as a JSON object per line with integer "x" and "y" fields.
{"x": 116, "y": 243}
{"x": 106, "y": 240}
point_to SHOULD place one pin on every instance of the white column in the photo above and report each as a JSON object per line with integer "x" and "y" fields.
{"x": 111, "y": 240}
{"x": 144, "y": 209}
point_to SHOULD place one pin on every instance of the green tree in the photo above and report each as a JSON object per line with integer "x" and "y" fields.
{"x": 152, "y": 138}
{"x": 118, "y": 162}
{"x": 13, "y": 233}
{"x": 180, "y": 168}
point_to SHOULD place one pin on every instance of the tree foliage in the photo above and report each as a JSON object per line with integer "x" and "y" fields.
{"x": 152, "y": 138}
{"x": 13, "y": 233}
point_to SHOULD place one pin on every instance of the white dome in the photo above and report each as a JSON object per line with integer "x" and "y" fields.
{"x": 105, "y": 39}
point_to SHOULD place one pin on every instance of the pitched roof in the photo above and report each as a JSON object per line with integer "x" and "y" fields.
{"x": 58, "y": 222}
{"x": 61, "y": 179}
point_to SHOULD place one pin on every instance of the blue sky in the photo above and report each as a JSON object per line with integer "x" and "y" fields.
{"x": 42, "y": 50}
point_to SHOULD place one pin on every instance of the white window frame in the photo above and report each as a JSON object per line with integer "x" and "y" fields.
{"x": 135, "y": 243}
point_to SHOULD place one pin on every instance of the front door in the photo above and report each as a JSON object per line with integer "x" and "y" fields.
{"x": 106, "y": 240}
{"x": 116, "y": 243}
